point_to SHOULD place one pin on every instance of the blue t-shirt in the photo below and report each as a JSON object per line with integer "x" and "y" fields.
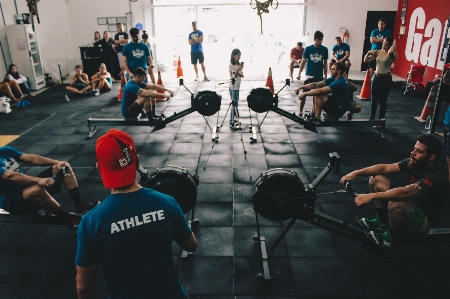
{"x": 129, "y": 95}
{"x": 9, "y": 158}
{"x": 130, "y": 236}
{"x": 379, "y": 34}
{"x": 198, "y": 47}
{"x": 316, "y": 60}
{"x": 136, "y": 55}
{"x": 340, "y": 50}
{"x": 341, "y": 93}
{"x": 447, "y": 118}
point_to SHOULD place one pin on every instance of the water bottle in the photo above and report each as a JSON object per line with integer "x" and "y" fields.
{"x": 428, "y": 124}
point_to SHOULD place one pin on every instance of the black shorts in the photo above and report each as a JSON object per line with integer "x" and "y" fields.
{"x": 197, "y": 56}
{"x": 312, "y": 80}
{"x": 331, "y": 107}
{"x": 18, "y": 205}
{"x": 79, "y": 85}
{"x": 373, "y": 64}
{"x": 133, "y": 110}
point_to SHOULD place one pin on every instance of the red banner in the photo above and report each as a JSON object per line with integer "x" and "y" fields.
{"x": 422, "y": 33}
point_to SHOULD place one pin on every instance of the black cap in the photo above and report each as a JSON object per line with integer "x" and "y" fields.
{"x": 194, "y": 22}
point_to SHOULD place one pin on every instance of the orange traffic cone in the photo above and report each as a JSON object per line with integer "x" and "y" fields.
{"x": 269, "y": 81}
{"x": 179, "y": 69}
{"x": 160, "y": 83}
{"x": 428, "y": 109}
{"x": 365, "y": 90}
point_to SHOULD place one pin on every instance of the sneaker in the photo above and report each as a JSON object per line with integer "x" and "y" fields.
{"x": 372, "y": 224}
{"x": 349, "y": 115}
{"x": 382, "y": 239}
{"x": 316, "y": 120}
{"x": 73, "y": 222}
{"x": 205, "y": 79}
{"x": 86, "y": 206}
{"x": 196, "y": 78}
{"x": 97, "y": 93}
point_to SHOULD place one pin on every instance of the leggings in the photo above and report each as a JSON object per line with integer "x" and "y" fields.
{"x": 381, "y": 86}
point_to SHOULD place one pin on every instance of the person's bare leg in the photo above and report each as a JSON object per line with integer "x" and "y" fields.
{"x": 73, "y": 89}
{"x": 69, "y": 179}
{"x": 319, "y": 102}
{"x": 37, "y": 196}
{"x": 196, "y": 70}
{"x": 15, "y": 88}
{"x": 378, "y": 183}
{"x": 203, "y": 69}
{"x": 4, "y": 87}
{"x": 152, "y": 75}
{"x": 291, "y": 69}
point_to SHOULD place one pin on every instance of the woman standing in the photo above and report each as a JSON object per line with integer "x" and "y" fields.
{"x": 13, "y": 75}
{"x": 151, "y": 65}
{"x": 382, "y": 80}
{"x": 97, "y": 37}
{"x": 235, "y": 69}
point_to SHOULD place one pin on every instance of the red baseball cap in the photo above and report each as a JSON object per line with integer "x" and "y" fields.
{"x": 116, "y": 157}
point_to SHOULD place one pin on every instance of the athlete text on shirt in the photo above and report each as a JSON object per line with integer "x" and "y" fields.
{"x": 135, "y": 221}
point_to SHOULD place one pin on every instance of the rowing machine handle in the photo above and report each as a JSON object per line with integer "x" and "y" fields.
{"x": 349, "y": 189}
{"x": 59, "y": 174}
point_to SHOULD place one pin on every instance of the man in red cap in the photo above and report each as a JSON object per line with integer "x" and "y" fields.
{"x": 130, "y": 233}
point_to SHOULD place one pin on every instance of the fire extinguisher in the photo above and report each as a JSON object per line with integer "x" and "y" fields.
{"x": 345, "y": 36}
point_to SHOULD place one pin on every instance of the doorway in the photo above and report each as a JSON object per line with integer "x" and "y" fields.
{"x": 372, "y": 23}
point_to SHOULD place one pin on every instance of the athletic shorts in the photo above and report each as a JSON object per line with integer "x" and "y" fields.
{"x": 447, "y": 140}
{"x": 133, "y": 110}
{"x": 313, "y": 79}
{"x": 417, "y": 221}
{"x": 331, "y": 107}
{"x": 18, "y": 205}
{"x": 79, "y": 86}
{"x": 197, "y": 56}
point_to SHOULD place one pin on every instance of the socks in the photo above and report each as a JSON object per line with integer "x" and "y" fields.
{"x": 383, "y": 215}
{"x": 63, "y": 214}
{"x": 76, "y": 198}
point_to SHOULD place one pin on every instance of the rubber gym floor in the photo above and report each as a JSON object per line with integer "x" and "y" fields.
{"x": 37, "y": 260}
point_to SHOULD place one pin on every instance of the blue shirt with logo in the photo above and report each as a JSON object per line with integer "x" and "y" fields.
{"x": 316, "y": 60}
{"x": 197, "y": 47}
{"x": 340, "y": 50}
{"x": 130, "y": 236}
{"x": 341, "y": 92}
{"x": 9, "y": 158}
{"x": 129, "y": 95}
{"x": 136, "y": 55}
{"x": 379, "y": 34}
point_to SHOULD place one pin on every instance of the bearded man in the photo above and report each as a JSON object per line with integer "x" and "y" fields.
{"x": 413, "y": 208}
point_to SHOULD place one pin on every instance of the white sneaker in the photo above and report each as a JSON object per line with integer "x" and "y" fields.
{"x": 196, "y": 78}
{"x": 97, "y": 93}
{"x": 205, "y": 79}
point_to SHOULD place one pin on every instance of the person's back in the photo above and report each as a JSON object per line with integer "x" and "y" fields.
{"x": 132, "y": 234}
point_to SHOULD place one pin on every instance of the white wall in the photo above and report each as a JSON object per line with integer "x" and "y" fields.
{"x": 66, "y": 24}
{"x": 330, "y": 15}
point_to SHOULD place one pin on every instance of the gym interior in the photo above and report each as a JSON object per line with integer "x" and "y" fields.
{"x": 244, "y": 249}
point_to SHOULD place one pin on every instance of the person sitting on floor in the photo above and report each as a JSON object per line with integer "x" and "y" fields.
{"x": 332, "y": 95}
{"x": 101, "y": 81}
{"x": 414, "y": 208}
{"x": 13, "y": 75}
{"x": 137, "y": 96}
{"x": 21, "y": 193}
{"x": 80, "y": 81}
